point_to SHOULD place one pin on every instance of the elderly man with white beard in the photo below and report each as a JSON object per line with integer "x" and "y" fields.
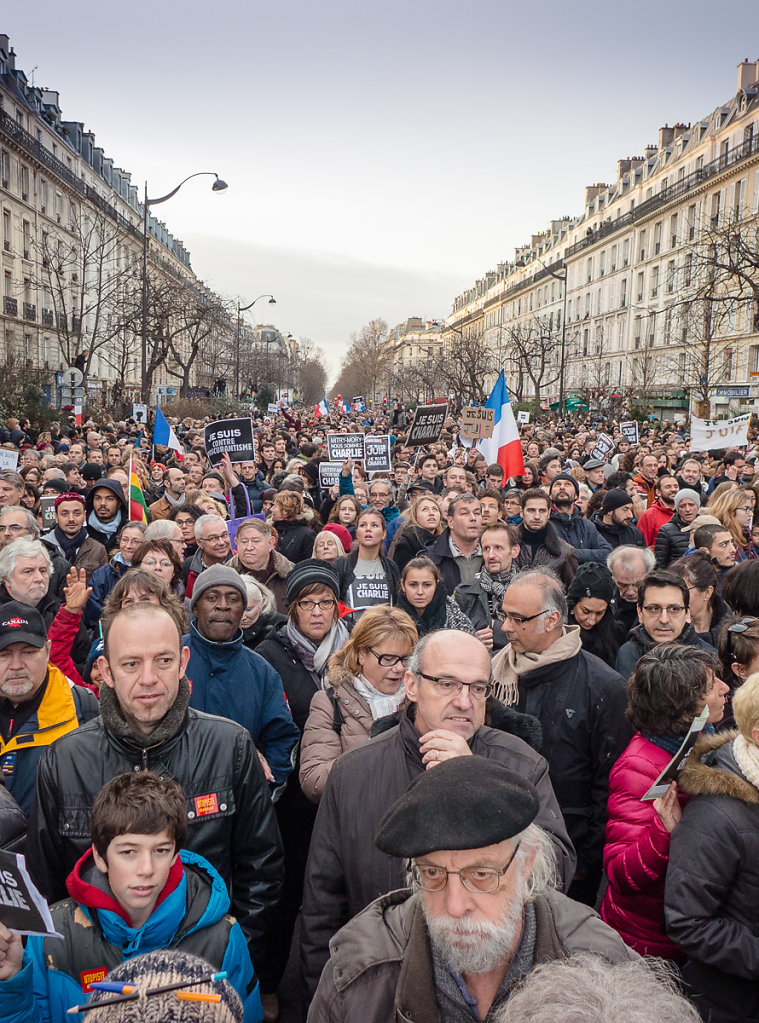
{"x": 481, "y": 914}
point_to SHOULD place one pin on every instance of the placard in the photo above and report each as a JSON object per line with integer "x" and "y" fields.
{"x": 428, "y": 424}
{"x": 272, "y": 407}
{"x": 329, "y": 474}
{"x": 629, "y": 431}
{"x": 8, "y": 459}
{"x": 47, "y": 512}
{"x": 140, "y": 413}
{"x": 673, "y": 768}
{"x": 523, "y": 418}
{"x": 22, "y": 908}
{"x": 345, "y": 445}
{"x": 477, "y": 423}
{"x": 377, "y": 456}
{"x": 604, "y": 444}
{"x": 232, "y": 435}
{"x": 710, "y": 434}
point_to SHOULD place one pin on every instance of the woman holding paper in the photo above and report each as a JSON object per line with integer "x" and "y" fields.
{"x": 670, "y": 687}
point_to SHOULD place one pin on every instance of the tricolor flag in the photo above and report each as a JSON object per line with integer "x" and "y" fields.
{"x": 322, "y": 409}
{"x": 138, "y": 510}
{"x": 504, "y": 447}
{"x": 164, "y": 434}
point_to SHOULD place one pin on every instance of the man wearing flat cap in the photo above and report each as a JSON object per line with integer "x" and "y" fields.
{"x": 447, "y": 684}
{"x": 575, "y": 530}
{"x": 482, "y": 911}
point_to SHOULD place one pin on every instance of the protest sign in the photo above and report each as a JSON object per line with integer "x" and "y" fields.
{"x": 673, "y": 768}
{"x": 367, "y": 591}
{"x": 8, "y": 459}
{"x": 377, "y": 456}
{"x": 272, "y": 407}
{"x": 710, "y": 434}
{"x": 345, "y": 445}
{"x": 629, "y": 431}
{"x": 604, "y": 444}
{"x": 232, "y": 435}
{"x": 140, "y": 413}
{"x": 477, "y": 423}
{"x": 47, "y": 512}
{"x": 329, "y": 474}
{"x": 523, "y": 418}
{"x": 428, "y": 424}
{"x": 22, "y": 908}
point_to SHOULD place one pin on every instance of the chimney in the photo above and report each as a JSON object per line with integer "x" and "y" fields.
{"x": 746, "y": 75}
{"x": 666, "y": 136}
{"x": 591, "y": 191}
{"x": 681, "y": 129}
{"x": 12, "y": 59}
{"x": 623, "y": 167}
{"x": 651, "y": 151}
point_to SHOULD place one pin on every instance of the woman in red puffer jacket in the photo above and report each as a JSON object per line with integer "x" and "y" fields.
{"x": 670, "y": 686}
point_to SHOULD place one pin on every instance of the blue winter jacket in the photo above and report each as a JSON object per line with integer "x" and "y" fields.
{"x": 233, "y": 682}
{"x": 581, "y": 534}
{"x": 102, "y": 582}
{"x": 38, "y": 994}
{"x": 255, "y": 488}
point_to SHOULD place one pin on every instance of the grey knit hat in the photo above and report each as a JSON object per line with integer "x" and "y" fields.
{"x": 218, "y": 575}
{"x": 687, "y": 495}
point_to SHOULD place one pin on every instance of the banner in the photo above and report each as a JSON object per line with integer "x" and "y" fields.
{"x": 8, "y": 459}
{"x": 711, "y": 434}
{"x": 232, "y": 435}
{"x": 345, "y": 445}
{"x": 329, "y": 474}
{"x": 523, "y": 418}
{"x": 428, "y": 424}
{"x": 629, "y": 431}
{"x": 22, "y": 908}
{"x": 47, "y": 512}
{"x": 604, "y": 445}
{"x": 477, "y": 423}
{"x": 377, "y": 457}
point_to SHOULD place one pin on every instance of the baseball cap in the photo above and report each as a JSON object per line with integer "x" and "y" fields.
{"x": 20, "y": 623}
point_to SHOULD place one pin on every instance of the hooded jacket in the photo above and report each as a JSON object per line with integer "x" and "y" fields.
{"x": 616, "y": 535}
{"x": 233, "y": 682}
{"x": 122, "y": 515}
{"x": 639, "y": 643}
{"x": 581, "y": 534}
{"x": 192, "y": 915}
{"x": 712, "y": 883}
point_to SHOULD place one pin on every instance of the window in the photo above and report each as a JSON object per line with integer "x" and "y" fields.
{"x": 657, "y": 239}
{"x": 716, "y": 203}
{"x": 682, "y": 365}
{"x": 27, "y": 237}
{"x": 639, "y": 292}
{"x": 585, "y": 340}
{"x": 43, "y": 195}
{"x": 688, "y": 269}
{"x": 727, "y": 364}
{"x": 692, "y": 220}
{"x": 739, "y": 198}
{"x": 636, "y": 332}
{"x": 7, "y": 230}
{"x": 5, "y": 167}
{"x": 673, "y": 231}
{"x": 670, "y": 276}
{"x": 626, "y": 246}
{"x": 642, "y": 247}
{"x": 590, "y": 270}
{"x": 755, "y": 200}
{"x": 613, "y": 259}
{"x": 623, "y": 292}
{"x": 668, "y": 325}
{"x": 602, "y": 263}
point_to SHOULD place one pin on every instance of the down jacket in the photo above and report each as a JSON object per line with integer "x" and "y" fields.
{"x": 637, "y": 852}
{"x": 581, "y": 534}
{"x": 554, "y": 553}
{"x": 671, "y": 542}
{"x": 345, "y": 869}
{"x": 712, "y": 888}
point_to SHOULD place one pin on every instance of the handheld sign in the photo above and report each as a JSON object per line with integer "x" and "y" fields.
{"x": 345, "y": 445}
{"x": 8, "y": 459}
{"x": 140, "y": 413}
{"x": 232, "y": 435}
{"x": 428, "y": 424}
{"x": 630, "y": 431}
{"x": 523, "y": 418}
{"x": 711, "y": 434}
{"x": 377, "y": 457}
{"x": 673, "y": 768}
{"x": 477, "y": 423}
{"x": 47, "y": 512}
{"x": 329, "y": 474}
{"x": 22, "y": 908}
{"x": 604, "y": 445}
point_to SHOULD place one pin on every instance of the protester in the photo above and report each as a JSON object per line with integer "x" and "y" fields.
{"x": 457, "y": 551}
{"x": 213, "y": 549}
{"x": 174, "y": 486}
{"x": 628, "y": 566}
{"x": 424, "y": 599}
{"x": 328, "y": 546}
{"x": 256, "y": 556}
{"x": 660, "y": 511}
{"x": 589, "y": 602}
{"x": 707, "y": 608}
{"x": 575, "y": 530}
{"x": 260, "y": 615}
{"x": 159, "y": 556}
{"x": 481, "y": 600}
{"x": 672, "y": 540}
{"x": 646, "y": 478}
{"x": 735, "y": 510}
{"x": 106, "y": 511}
{"x": 716, "y": 540}
{"x": 70, "y": 537}
{"x": 295, "y": 539}
{"x": 614, "y": 520}
{"x": 366, "y": 576}
{"x": 104, "y": 579}
{"x": 422, "y": 525}
{"x": 539, "y": 543}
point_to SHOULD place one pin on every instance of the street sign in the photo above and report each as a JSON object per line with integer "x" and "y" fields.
{"x": 72, "y": 377}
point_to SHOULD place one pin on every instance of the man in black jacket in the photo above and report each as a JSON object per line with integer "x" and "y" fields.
{"x": 145, "y": 724}
{"x": 575, "y": 530}
{"x": 614, "y": 521}
{"x": 107, "y": 511}
{"x": 457, "y": 551}
{"x": 628, "y": 565}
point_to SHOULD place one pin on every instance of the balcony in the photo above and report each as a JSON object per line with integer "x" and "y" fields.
{"x": 10, "y": 306}
{"x": 30, "y": 311}
{"x": 47, "y": 317}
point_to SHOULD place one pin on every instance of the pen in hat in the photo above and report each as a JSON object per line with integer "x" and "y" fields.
{"x": 134, "y": 995}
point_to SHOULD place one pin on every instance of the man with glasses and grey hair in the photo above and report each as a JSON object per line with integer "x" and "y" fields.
{"x": 447, "y": 684}
{"x": 18, "y": 523}
{"x": 213, "y": 549}
{"x": 482, "y": 911}
{"x": 580, "y": 702}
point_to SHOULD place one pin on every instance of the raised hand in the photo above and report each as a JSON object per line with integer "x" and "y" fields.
{"x": 76, "y": 591}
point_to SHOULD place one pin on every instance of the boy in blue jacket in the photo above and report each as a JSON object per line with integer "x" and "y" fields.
{"x": 132, "y": 892}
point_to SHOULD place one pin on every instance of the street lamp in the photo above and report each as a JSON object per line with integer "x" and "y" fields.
{"x": 217, "y": 186}
{"x": 242, "y": 309}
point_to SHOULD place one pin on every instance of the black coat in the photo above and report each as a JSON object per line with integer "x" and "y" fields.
{"x": 440, "y": 553}
{"x": 618, "y": 536}
{"x": 473, "y": 601}
{"x": 12, "y": 823}
{"x": 671, "y": 542}
{"x": 604, "y": 639}
{"x": 295, "y": 540}
{"x": 639, "y": 643}
{"x": 410, "y": 542}
{"x": 346, "y": 574}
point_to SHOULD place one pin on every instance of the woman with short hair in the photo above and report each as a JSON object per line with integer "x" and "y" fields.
{"x": 295, "y": 540}
{"x": 707, "y": 609}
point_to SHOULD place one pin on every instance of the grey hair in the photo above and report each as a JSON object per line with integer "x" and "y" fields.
{"x": 11, "y": 476}
{"x": 465, "y": 498}
{"x": 588, "y": 989}
{"x": 382, "y": 479}
{"x": 550, "y": 584}
{"x": 625, "y": 556}
{"x": 415, "y": 661}
{"x": 161, "y": 529}
{"x": 31, "y": 520}
{"x": 543, "y": 875}
{"x": 257, "y": 591}
{"x": 204, "y": 521}
{"x": 22, "y": 549}
{"x": 585, "y": 490}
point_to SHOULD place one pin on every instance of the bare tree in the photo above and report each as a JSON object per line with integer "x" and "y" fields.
{"x": 534, "y": 349}
{"x": 367, "y": 364}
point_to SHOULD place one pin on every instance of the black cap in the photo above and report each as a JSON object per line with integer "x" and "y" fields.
{"x": 20, "y": 623}
{"x": 566, "y": 476}
{"x": 463, "y": 803}
{"x": 92, "y": 471}
{"x": 420, "y": 484}
{"x": 615, "y": 498}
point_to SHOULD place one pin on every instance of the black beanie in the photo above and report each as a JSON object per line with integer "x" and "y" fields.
{"x": 615, "y": 498}
{"x": 309, "y": 572}
{"x": 591, "y": 580}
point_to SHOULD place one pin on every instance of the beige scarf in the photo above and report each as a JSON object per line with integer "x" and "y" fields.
{"x": 509, "y": 666}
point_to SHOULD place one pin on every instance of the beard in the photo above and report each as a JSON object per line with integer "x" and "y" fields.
{"x": 470, "y": 945}
{"x": 563, "y": 504}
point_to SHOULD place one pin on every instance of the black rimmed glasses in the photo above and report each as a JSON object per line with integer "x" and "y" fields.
{"x": 390, "y": 660}
{"x": 309, "y": 605}
{"x": 521, "y": 620}
{"x": 446, "y": 686}
{"x": 480, "y": 880}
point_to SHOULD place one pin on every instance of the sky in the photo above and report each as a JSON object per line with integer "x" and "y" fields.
{"x": 380, "y": 157}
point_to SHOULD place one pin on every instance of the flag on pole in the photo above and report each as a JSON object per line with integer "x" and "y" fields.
{"x": 322, "y": 409}
{"x": 504, "y": 447}
{"x": 164, "y": 434}
{"x": 138, "y": 510}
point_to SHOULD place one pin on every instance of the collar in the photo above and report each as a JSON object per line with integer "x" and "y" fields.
{"x": 115, "y": 722}
{"x": 458, "y": 553}
{"x": 230, "y": 647}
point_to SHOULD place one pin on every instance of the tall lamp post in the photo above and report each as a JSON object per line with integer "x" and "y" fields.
{"x": 217, "y": 186}
{"x": 240, "y": 310}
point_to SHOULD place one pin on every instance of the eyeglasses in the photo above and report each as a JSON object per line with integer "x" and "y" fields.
{"x": 671, "y": 609}
{"x": 452, "y": 686}
{"x": 15, "y": 528}
{"x": 215, "y": 539}
{"x": 390, "y": 660}
{"x": 482, "y": 880}
{"x": 309, "y": 605}
{"x": 523, "y": 619}
{"x": 152, "y": 563}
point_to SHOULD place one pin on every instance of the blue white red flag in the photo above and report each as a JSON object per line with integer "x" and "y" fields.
{"x": 504, "y": 447}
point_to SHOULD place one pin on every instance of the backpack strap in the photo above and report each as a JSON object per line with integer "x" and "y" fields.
{"x": 337, "y": 717}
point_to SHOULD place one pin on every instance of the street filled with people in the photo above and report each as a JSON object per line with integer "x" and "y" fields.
{"x": 444, "y": 737}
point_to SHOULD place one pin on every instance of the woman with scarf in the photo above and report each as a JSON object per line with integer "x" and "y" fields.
{"x": 670, "y": 686}
{"x": 367, "y": 680}
{"x": 425, "y": 601}
{"x": 589, "y": 598}
{"x": 300, "y": 651}
{"x": 423, "y": 524}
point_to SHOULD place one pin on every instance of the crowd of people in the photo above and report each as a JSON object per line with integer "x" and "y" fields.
{"x": 396, "y": 733}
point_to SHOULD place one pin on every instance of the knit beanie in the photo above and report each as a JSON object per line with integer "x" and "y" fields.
{"x": 218, "y": 575}
{"x": 308, "y": 572}
{"x": 341, "y": 533}
{"x": 566, "y": 476}
{"x": 687, "y": 495}
{"x": 292, "y": 482}
{"x": 615, "y": 498}
{"x": 312, "y": 470}
{"x": 156, "y": 969}
{"x": 591, "y": 580}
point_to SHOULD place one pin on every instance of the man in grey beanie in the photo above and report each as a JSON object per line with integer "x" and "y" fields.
{"x": 672, "y": 540}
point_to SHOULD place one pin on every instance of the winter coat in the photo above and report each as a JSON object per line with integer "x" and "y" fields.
{"x": 652, "y": 519}
{"x": 63, "y": 708}
{"x": 637, "y": 852}
{"x": 441, "y": 554}
{"x": 346, "y": 573}
{"x": 230, "y": 814}
{"x": 554, "y": 553}
{"x": 261, "y": 627}
{"x": 380, "y": 964}
{"x": 193, "y": 917}
{"x": 233, "y": 682}
{"x": 345, "y": 869}
{"x": 474, "y": 602}
{"x": 61, "y": 568}
{"x": 12, "y": 823}
{"x": 193, "y": 566}
{"x": 580, "y": 702}
{"x": 604, "y": 639}
{"x": 441, "y": 613}
{"x": 640, "y": 643}
{"x": 295, "y": 540}
{"x": 671, "y": 543}
{"x": 160, "y": 509}
{"x": 625, "y": 613}
{"x": 255, "y": 488}
{"x": 102, "y": 582}
{"x": 581, "y": 534}
{"x": 409, "y": 542}
{"x": 90, "y": 556}
{"x": 648, "y": 490}
{"x": 108, "y": 540}
{"x": 616, "y": 535}
{"x": 62, "y": 634}
{"x": 712, "y": 887}
{"x": 274, "y": 576}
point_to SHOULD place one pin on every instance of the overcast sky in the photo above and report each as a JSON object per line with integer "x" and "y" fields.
{"x": 380, "y": 157}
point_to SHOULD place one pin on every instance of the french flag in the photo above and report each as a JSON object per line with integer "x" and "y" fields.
{"x": 322, "y": 409}
{"x": 504, "y": 447}
{"x": 164, "y": 434}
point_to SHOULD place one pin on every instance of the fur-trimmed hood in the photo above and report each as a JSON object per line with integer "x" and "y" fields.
{"x": 711, "y": 770}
